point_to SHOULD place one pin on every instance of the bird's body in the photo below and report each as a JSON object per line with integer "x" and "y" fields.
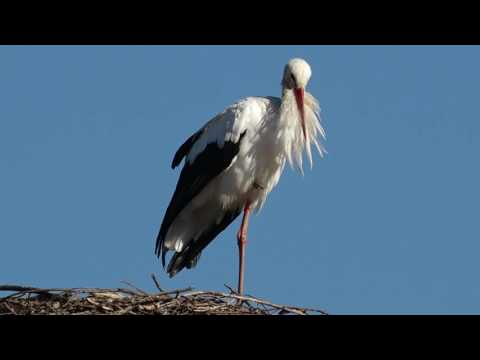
{"x": 232, "y": 163}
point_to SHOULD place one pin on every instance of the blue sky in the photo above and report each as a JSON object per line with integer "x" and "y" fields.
{"x": 386, "y": 223}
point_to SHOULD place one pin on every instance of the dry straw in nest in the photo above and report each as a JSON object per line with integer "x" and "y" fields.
{"x": 121, "y": 301}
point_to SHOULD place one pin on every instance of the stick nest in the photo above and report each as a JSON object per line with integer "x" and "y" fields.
{"x": 121, "y": 301}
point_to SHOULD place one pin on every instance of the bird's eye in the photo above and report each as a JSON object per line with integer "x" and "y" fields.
{"x": 293, "y": 78}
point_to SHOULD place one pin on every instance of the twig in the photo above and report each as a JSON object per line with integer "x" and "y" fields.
{"x": 258, "y": 301}
{"x": 229, "y": 288}
{"x": 136, "y": 288}
{"x": 11, "y": 309}
{"x": 16, "y": 288}
{"x": 177, "y": 292}
{"x": 156, "y": 282}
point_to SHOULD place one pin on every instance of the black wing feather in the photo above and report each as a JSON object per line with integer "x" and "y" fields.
{"x": 193, "y": 178}
{"x": 185, "y": 149}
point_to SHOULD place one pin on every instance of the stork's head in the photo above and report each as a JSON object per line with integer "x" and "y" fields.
{"x": 296, "y": 74}
{"x": 295, "y": 78}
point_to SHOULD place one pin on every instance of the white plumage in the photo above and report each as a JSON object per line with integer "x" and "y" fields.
{"x": 268, "y": 132}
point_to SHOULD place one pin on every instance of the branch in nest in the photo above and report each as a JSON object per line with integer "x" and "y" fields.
{"x": 124, "y": 301}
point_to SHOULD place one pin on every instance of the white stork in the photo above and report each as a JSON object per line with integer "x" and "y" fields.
{"x": 233, "y": 162}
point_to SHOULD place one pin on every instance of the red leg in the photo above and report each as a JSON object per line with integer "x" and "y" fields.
{"x": 242, "y": 241}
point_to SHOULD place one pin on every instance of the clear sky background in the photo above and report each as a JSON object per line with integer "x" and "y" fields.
{"x": 386, "y": 223}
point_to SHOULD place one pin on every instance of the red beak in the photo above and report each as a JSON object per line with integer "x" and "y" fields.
{"x": 299, "y": 97}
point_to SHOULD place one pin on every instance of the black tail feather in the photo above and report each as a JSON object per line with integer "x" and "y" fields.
{"x": 189, "y": 256}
